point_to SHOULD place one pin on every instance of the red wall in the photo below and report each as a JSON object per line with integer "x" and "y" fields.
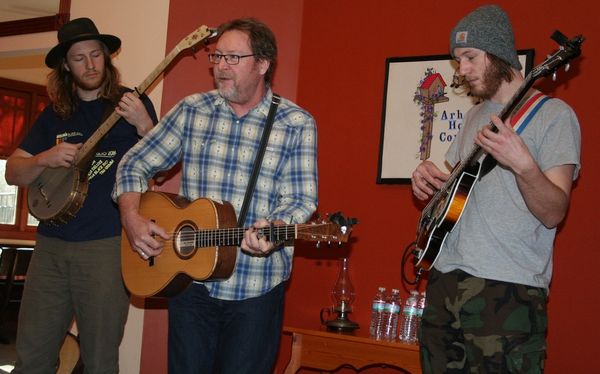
{"x": 339, "y": 75}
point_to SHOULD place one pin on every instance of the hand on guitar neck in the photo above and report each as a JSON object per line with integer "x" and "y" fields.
{"x": 255, "y": 242}
{"x": 132, "y": 109}
{"x": 505, "y": 146}
{"x": 427, "y": 179}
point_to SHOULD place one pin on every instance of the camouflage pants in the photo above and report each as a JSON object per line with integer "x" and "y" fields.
{"x": 475, "y": 325}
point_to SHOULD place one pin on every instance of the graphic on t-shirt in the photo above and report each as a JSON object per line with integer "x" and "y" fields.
{"x": 60, "y": 138}
{"x": 102, "y": 163}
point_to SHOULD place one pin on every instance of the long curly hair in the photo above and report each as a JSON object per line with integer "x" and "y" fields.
{"x": 62, "y": 87}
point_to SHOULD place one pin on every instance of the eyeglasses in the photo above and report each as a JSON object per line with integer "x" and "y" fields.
{"x": 215, "y": 58}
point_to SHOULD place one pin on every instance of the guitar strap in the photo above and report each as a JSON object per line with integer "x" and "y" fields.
{"x": 522, "y": 118}
{"x": 275, "y": 100}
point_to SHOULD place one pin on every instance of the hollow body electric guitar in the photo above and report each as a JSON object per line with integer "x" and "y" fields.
{"x": 57, "y": 194}
{"x": 203, "y": 242}
{"x": 445, "y": 208}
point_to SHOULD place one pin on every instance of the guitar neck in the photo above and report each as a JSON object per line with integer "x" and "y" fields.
{"x": 233, "y": 236}
{"x": 90, "y": 145}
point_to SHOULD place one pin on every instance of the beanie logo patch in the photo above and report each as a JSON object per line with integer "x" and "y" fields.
{"x": 461, "y": 37}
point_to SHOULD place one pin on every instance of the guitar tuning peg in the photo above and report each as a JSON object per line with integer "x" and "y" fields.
{"x": 567, "y": 67}
{"x": 554, "y": 76}
{"x": 318, "y": 245}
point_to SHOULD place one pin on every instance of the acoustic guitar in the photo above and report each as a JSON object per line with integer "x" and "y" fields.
{"x": 203, "y": 242}
{"x": 445, "y": 208}
{"x": 57, "y": 194}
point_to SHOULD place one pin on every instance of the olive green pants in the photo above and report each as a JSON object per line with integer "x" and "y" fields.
{"x": 66, "y": 280}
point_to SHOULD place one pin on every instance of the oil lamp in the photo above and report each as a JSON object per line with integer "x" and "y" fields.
{"x": 343, "y": 296}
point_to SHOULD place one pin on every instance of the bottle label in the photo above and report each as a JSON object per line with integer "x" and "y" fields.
{"x": 409, "y": 310}
{"x": 392, "y": 308}
{"x": 378, "y": 307}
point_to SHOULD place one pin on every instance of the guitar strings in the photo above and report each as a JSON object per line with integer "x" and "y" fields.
{"x": 235, "y": 234}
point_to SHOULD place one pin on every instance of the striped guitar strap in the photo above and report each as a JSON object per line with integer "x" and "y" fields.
{"x": 524, "y": 115}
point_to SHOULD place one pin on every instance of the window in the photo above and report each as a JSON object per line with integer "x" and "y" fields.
{"x": 20, "y": 104}
{"x": 8, "y": 200}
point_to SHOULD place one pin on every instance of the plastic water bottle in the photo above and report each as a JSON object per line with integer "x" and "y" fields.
{"x": 408, "y": 332}
{"x": 420, "y": 308}
{"x": 390, "y": 315}
{"x": 377, "y": 309}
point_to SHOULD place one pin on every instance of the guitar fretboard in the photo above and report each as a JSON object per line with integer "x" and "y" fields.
{"x": 234, "y": 236}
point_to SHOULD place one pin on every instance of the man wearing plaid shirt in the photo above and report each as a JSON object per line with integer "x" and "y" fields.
{"x": 231, "y": 326}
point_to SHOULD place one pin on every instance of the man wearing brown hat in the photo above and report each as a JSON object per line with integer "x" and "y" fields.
{"x": 486, "y": 294}
{"x": 75, "y": 269}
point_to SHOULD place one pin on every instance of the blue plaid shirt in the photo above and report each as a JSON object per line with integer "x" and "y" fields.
{"x": 217, "y": 151}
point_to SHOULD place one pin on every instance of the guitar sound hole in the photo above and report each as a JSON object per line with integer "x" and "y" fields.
{"x": 185, "y": 240}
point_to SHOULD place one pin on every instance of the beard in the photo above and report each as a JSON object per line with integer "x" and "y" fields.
{"x": 89, "y": 84}
{"x": 237, "y": 93}
{"x": 229, "y": 93}
{"x": 491, "y": 81}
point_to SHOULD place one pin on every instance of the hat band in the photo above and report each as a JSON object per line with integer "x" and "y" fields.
{"x": 81, "y": 36}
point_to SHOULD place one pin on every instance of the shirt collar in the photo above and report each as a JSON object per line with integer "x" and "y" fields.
{"x": 262, "y": 107}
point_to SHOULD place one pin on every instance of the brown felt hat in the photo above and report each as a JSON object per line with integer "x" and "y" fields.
{"x": 75, "y": 31}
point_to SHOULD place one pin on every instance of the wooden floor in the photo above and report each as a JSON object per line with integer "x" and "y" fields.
{"x": 8, "y": 329}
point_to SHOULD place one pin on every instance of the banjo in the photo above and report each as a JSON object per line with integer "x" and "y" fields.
{"x": 57, "y": 194}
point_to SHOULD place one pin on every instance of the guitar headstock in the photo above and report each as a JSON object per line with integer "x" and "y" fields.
{"x": 336, "y": 228}
{"x": 568, "y": 50}
{"x": 195, "y": 37}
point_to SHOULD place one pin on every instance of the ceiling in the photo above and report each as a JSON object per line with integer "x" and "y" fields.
{"x": 11, "y": 10}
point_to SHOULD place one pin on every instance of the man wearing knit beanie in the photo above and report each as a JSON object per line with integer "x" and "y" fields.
{"x": 487, "y": 290}
{"x": 487, "y": 28}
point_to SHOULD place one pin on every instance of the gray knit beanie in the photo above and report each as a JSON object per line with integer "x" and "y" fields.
{"x": 487, "y": 28}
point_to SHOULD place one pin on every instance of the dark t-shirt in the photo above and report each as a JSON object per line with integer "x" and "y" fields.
{"x": 99, "y": 216}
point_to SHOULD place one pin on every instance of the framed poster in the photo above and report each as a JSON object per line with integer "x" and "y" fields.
{"x": 424, "y": 105}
